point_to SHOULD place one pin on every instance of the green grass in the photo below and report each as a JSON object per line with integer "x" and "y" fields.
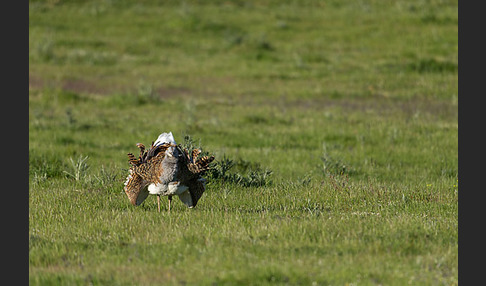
{"x": 340, "y": 118}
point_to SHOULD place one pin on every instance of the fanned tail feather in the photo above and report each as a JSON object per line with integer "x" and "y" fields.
{"x": 132, "y": 160}
{"x": 142, "y": 150}
{"x": 194, "y": 154}
{"x": 202, "y": 164}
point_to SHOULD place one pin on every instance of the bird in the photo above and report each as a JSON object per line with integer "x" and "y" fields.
{"x": 166, "y": 169}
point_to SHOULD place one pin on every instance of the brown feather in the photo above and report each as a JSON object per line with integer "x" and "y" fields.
{"x": 142, "y": 151}
{"x": 132, "y": 160}
{"x": 141, "y": 147}
{"x": 152, "y": 169}
{"x": 202, "y": 164}
{"x": 196, "y": 189}
{"x": 194, "y": 154}
{"x": 133, "y": 188}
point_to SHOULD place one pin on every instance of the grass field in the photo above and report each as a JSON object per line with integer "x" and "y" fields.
{"x": 340, "y": 119}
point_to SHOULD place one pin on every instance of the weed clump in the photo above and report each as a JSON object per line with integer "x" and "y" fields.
{"x": 78, "y": 168}
{"x": 251, "y": 175}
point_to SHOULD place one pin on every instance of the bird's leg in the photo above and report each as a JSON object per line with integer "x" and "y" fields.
{"x": 158, "y": 203}
{"x": 170, "y": 199}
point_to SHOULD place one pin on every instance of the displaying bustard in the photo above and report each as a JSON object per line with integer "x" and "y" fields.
{"x": 166, "y": 170}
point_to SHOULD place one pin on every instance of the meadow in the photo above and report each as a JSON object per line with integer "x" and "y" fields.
{"x": 334, "y": 125}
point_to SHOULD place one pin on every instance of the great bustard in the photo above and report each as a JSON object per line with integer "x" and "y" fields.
{"x": 166, "y": 169}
